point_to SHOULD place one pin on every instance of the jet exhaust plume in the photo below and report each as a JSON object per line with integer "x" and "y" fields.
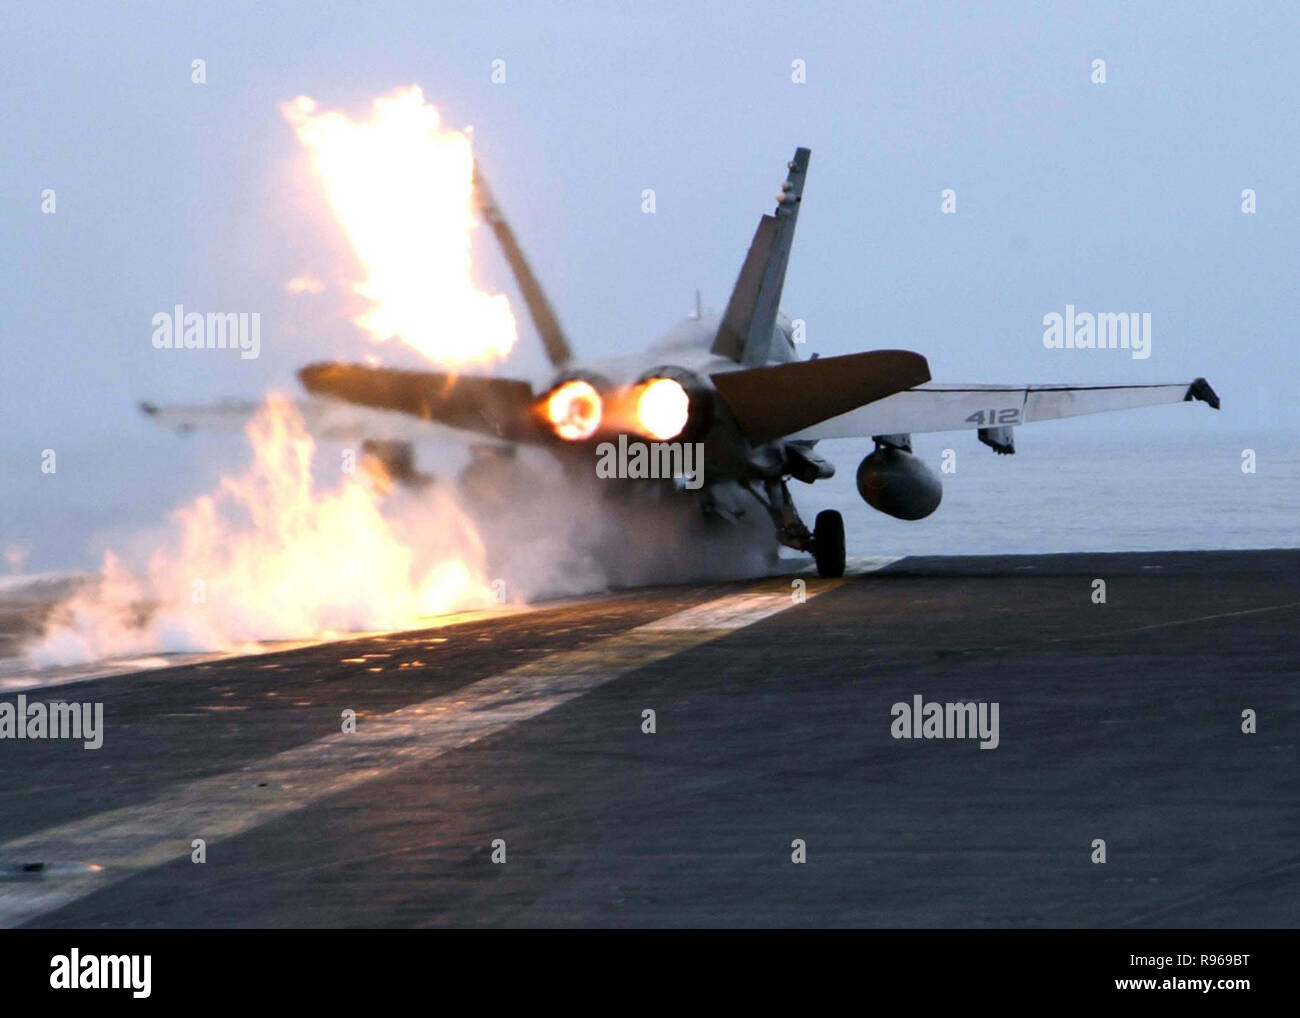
{"x": 656, "y": 409}
{"x": 554, "y": 532}
{"x": 401, "y": 187}
{"x": 271, "y": 555}
{"x": 574, "y": 409}
{"x": 662, "y": 408}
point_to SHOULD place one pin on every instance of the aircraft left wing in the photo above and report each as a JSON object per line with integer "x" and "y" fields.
{"x": 935, "y": 407}
{"x": 325, "y": 419}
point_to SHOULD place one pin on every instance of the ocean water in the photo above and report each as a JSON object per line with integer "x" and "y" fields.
{"x": 1069, "y": 487}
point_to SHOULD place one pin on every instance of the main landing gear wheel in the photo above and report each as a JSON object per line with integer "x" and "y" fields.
{"x": 828, "y": 543}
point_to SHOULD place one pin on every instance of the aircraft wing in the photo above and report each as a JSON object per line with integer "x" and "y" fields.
{"x": 934, "y": 407}
{"x": 325, "y": 420}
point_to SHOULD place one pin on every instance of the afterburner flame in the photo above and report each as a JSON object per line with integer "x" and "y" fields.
{"x": 662, "y": 409}
{"x": 574, "y": 410}
{"x": 401, "y": 187}
{"x": 270, "y": 556}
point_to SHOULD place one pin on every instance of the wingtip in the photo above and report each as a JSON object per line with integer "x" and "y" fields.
{"x": 1201, "y": 389}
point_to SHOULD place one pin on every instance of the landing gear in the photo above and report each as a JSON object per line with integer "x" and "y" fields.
{"x": 825, "y": 541}
{"x": 828, "y": 543}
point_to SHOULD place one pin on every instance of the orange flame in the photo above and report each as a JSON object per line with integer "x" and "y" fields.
{"x": 574, "y": 410}
{"x": 402, "y": 189}
{"x": 271, "y": 557}
{"x": 662, "y": 409}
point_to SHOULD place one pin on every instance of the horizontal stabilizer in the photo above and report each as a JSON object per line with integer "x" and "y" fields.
{"x": 777, "y": 400}
{"x": 494, "y": 406}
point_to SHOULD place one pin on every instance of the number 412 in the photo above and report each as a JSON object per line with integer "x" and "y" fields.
{"x": 1011, "y": 415}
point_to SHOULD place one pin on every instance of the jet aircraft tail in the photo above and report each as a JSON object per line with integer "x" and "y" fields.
{"x": 747, "y": 332}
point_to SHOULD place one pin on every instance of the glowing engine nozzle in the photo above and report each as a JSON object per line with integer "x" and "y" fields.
{"x": 662, "y": 408}
{"x": 573, "y": 410}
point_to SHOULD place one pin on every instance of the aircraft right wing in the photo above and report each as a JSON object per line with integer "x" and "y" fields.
{"x": 971, "y": 407}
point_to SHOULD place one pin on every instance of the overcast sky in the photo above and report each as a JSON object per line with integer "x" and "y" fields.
{"x": 1123, "y": 196}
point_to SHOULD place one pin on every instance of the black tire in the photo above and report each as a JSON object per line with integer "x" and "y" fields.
{"x": 828, "y": 543}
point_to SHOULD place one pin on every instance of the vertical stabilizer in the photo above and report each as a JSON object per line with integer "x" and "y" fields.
{"x": 745, "y": 334}
{"x": 539, "y": 308}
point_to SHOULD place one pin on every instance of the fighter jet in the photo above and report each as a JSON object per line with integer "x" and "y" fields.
{"x": 734, "y": 387}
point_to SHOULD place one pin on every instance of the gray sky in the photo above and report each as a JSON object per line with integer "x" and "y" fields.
{"x": 1117, "y": 197}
